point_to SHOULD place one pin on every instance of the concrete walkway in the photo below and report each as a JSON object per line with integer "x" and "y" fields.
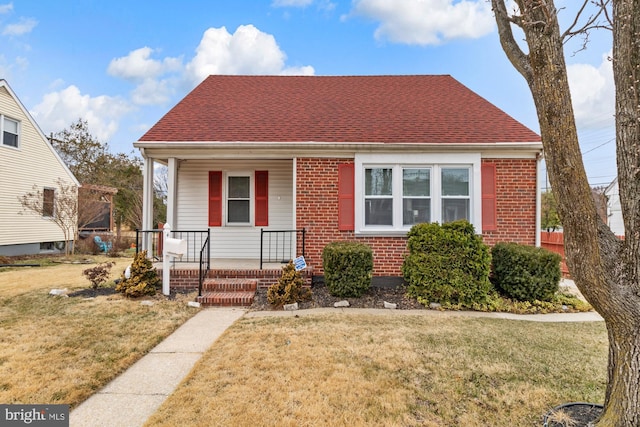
{"x": 130, "y": 399}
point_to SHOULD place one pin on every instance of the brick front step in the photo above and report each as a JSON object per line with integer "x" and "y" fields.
{"x": 228, "y": 292}
{"x": 229, "y": 285}
{"x": 227, "y": 299}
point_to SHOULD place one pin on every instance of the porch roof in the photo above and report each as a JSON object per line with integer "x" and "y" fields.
{"x": 424, "y": 109}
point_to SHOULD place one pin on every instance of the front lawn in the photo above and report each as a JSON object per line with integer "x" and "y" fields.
{"x": 391, "y": 370}
{"x": 63, "y": 349}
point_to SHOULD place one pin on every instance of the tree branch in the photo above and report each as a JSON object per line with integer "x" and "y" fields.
{"x": 518, "y": 58}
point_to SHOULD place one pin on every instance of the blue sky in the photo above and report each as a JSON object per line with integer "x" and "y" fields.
{"x": 121, "y": 65}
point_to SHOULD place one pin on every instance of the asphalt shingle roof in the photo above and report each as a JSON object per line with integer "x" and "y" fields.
{"x": 335, "y": 109}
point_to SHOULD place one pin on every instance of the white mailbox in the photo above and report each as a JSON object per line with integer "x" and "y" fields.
{"x": 175, "y": 247}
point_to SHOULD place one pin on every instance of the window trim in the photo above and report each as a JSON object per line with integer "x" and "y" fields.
{"x": 18, "y": 136}
{"x": 433, "y": 161}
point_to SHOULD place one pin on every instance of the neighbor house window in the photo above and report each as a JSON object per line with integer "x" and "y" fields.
{"x": 456, "y": 200}
{"x": 48, "y": 202}
{"x": 239, "y": 200}
{"x": 9, "y": 131}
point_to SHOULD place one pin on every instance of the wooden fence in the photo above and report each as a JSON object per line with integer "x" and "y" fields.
{"x": 554, "y": 241}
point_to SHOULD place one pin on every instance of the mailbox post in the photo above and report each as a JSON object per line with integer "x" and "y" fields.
{"x": 171, "y": 248}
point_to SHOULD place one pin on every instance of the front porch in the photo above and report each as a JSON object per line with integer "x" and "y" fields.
{"x": 229, "y": 282}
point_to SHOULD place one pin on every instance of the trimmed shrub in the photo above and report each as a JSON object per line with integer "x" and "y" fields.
{"x": 447, "y": 264}
{"x": 143, "y": 279}
{"x": 348, "y": 267}
{"x": 289, "y": 288}
{"x": 526, "y": 273}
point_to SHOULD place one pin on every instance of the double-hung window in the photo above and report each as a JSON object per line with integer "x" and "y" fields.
{"x": 416, "y": 195}
{"x": 239, "y": 200}
{"x": 456, "y": 200}
{"x": 378, "y": 201}
{"x": 10, "y": 130}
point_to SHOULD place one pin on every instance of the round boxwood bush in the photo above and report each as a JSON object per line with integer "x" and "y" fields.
{"x": 447, "y": 263}
{"x": 348, "y": 267}
{"x": 525, "y": 273}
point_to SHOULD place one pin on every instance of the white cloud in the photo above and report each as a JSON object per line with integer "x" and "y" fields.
{"x": 138, "y": 65}
{"x": 593, "y": 93}
{"x": 425, "y": 22}
{"x": 26, "y": 25}
{"x": 247, "y": 51}
{"x": 59, "y": 109}
{"x": 153, "y": 92}
{"x": 6, "y": 8}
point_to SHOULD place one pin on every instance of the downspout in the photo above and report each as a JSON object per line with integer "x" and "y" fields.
{"x": 538, "y": 198}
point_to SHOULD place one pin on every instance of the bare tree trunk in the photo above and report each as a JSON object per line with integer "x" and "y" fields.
{"x": 605, "y": 270}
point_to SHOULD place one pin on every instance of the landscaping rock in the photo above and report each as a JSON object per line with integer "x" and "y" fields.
{"x": 390, "y": 305}
{"x": 59, "y": 292}
{"x": 340, "y": 304}
{"x": 194, "y": 304}
{"x": 435, "y": 306}
{"x": 147, "y": 303}
{"x": 291, "y": 307}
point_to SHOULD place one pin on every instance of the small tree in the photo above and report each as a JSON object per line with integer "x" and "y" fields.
{"x": 62, "y": 210}
{"x": 143, "y": 279}
{"x": 99, "y": 274}
{"x": 289, "y": 288}
{"x": 550, "y": 218}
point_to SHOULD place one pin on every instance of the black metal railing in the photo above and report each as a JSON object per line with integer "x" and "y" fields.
{"x": 152, "y": 241}
{"x": 198, "y": 248}
{"x": 205, "y": 263}
{"x": 280, "y": 245}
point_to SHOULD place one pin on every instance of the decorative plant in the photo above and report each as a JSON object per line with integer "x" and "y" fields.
{"x": 289, "y": 288}
{"x": 99, "y": 274}
{"x": 143, "y": 278}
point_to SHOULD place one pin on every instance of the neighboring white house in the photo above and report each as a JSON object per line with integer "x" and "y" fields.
{"x": 614, "y": 210}
{"x": 26, "y": 160}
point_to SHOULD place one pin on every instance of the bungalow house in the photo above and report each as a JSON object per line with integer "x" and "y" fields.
{"x": 27, "y": 163}
{"x": 344, "y": 158}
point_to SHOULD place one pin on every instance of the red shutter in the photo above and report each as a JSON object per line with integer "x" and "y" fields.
{"x": 262, "y": 198}
{"x": 489, "y": 208}
{"x": 215, "y": 198}
{"x": 346, "y": 197}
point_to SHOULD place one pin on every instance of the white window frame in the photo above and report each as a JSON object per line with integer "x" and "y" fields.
{"x": 226, "y": 199}
{"x": 433, "y": 161}
{"x": 3, "y": 118}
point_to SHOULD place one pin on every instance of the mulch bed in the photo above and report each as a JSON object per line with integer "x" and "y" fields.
{"x": 373, "y": 298}
{"x": 575, "y": 414}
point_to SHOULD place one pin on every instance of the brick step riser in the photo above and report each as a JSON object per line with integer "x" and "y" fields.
{"x": 226, "y": 299}
{"x": 227, "y": 286}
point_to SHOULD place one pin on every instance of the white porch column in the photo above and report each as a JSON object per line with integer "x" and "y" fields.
{"x": 172, "y": 176}
{"x": 147, "y": 194}
{"x": 147, "y": 203}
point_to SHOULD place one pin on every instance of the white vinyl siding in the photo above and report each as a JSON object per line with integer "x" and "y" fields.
{"x": 242, "y": 242}
{"x": 33, "y": 163}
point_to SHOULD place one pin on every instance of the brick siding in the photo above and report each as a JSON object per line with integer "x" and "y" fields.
{"x": 317, "y": 211}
